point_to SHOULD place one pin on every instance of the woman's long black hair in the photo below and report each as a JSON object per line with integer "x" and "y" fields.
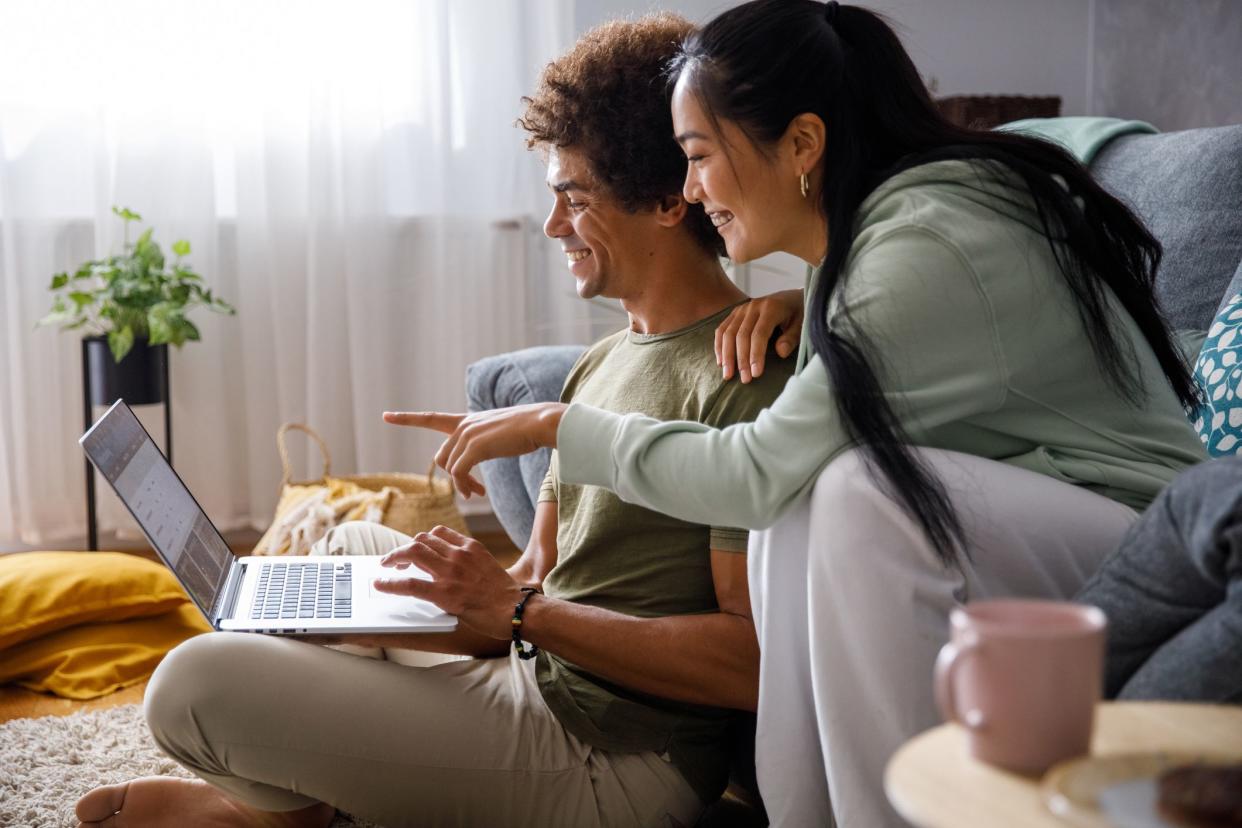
{"x": 761, "y": 64}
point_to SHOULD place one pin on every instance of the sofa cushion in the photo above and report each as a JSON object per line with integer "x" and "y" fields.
{"x": 528, "y": 376}
{"x": 1187, "y": 187}
{"x": 1218, "y": 373}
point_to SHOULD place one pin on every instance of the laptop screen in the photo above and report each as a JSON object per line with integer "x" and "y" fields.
{"x": 169, "y": 515}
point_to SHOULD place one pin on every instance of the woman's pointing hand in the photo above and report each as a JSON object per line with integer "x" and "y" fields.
{"x": 473, "y": 438}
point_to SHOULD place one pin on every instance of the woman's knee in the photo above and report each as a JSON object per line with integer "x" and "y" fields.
{"x": 852, "y": 519}
{"x": 847, "y": 490}
{"x": 860, "y": 531}
{"x": 840, "y": 474}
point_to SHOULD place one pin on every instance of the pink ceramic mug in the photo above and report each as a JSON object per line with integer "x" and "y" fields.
{"x": 1024, "y": 678}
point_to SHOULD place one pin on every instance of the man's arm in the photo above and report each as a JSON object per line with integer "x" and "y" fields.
{"x": 712, "y": 658}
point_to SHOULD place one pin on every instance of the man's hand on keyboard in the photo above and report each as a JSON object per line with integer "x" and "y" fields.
{"x": 467, "y": 580}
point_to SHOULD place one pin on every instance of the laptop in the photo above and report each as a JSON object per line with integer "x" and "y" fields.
{"x": 282, "y": 595}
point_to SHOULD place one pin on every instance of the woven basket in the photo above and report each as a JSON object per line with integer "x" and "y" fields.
{"x": 418, "y": 504}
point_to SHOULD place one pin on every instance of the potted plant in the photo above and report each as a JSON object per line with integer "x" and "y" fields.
{"x": 131, "y": 306}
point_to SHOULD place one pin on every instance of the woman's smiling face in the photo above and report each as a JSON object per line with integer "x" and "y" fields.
{"x": 752, "y": 194}
{"x": 739, "y": 186}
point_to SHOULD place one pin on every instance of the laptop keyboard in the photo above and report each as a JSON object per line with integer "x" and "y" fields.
{"x": 303, "y": 590}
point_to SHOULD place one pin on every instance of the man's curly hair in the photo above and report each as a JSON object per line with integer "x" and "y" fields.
{"x": 608, "y": 97}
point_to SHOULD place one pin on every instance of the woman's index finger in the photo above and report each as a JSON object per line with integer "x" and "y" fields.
{"x": 434, "y": 420}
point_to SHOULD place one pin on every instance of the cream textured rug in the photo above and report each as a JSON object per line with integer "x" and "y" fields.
{"x": 47, "y": 763}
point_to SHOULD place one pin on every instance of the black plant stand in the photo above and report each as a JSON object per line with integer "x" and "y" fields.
{"x": 141, "y": 378}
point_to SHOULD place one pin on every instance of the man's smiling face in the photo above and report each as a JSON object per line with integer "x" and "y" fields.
{"x": 605, "y": 245}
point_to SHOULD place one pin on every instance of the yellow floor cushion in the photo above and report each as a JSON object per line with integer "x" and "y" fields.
{"x": 41, "y": 592}
{"x": 92, "y": 660}
{"x": 82, "y": 624}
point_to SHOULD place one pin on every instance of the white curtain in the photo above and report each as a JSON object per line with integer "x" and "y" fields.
{"x": 348, "y": 175}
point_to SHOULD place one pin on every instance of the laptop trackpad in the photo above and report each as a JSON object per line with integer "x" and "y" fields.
{"x": 400, "y": 606}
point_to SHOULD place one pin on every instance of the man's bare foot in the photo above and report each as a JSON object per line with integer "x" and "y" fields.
{"x": 157, "y": 801}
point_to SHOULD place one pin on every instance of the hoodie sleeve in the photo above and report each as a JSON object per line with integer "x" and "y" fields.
{"x": 924, "y": 314}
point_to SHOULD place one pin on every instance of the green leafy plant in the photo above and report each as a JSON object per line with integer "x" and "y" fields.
{"x": 134, "y": 295}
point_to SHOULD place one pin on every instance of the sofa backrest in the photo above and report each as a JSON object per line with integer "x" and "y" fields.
{"x": 1187, "y": 187}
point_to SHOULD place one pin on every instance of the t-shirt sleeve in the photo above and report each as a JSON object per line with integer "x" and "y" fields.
{"x": 547, "y": 489}
{"x": 738, "y": 402}
{"x": 729, "y": 539}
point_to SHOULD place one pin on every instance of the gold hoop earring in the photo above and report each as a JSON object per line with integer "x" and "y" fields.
{"x": 804, "y": 185}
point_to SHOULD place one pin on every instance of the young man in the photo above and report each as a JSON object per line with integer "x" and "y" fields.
{"x": 643, "y": 628}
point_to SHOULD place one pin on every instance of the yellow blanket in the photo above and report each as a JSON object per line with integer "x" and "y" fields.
{"x": 306, "y": 513}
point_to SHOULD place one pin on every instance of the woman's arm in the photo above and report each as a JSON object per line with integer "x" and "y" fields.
{"x": 933, "y": 343}
{"x": 745, "y": 475}
{"x": 930, "y": 339}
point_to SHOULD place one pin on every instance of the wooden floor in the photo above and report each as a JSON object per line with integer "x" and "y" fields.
{"x": 19, "y": 703}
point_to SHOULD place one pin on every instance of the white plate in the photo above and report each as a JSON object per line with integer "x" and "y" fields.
{"x": 1117, "y": 791}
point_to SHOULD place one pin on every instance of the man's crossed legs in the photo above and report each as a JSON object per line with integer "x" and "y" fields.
{"x": 282, "y": 725}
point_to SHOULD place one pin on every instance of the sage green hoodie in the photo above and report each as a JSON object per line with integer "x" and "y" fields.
{"x": 978, "y": 347}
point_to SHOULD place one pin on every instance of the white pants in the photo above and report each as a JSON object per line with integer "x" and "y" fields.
{"x": 851, "y": 606}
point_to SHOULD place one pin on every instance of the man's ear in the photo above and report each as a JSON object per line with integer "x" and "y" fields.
{"x": 804, "y": 140}
{"x": 670, "y": 210}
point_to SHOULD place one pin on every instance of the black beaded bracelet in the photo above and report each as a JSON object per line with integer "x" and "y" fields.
{"x": 524, "y": 650}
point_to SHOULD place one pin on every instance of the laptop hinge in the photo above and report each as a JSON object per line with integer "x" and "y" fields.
{"x": 231, "y": 591}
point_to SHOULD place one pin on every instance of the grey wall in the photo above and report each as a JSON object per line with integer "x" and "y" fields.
{"x": 983, "y": 47}
{"x": 589, "y": 13}
{"x": 1177, "y": 65}
{"x": 1025, "y": 47}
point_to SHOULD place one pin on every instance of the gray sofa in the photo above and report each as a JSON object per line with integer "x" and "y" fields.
{"x": 1187, "y": 187}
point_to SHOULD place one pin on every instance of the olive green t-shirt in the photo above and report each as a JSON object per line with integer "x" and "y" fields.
{"x": 633, "y": 560}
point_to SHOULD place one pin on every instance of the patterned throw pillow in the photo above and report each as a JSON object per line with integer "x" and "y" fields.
{"x": 1218, "y": 371}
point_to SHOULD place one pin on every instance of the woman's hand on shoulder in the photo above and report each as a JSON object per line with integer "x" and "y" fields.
{"x": 484, "y": 435}
{"x": 742, "y": 338}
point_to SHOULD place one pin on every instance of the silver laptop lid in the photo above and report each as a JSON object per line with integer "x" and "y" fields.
{"x": 169, "y": 515}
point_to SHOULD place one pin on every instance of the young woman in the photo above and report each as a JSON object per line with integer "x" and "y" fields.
{"x": 987, "y": 391}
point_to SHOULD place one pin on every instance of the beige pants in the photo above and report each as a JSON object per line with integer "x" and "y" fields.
{"x": 280, "y": 724}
